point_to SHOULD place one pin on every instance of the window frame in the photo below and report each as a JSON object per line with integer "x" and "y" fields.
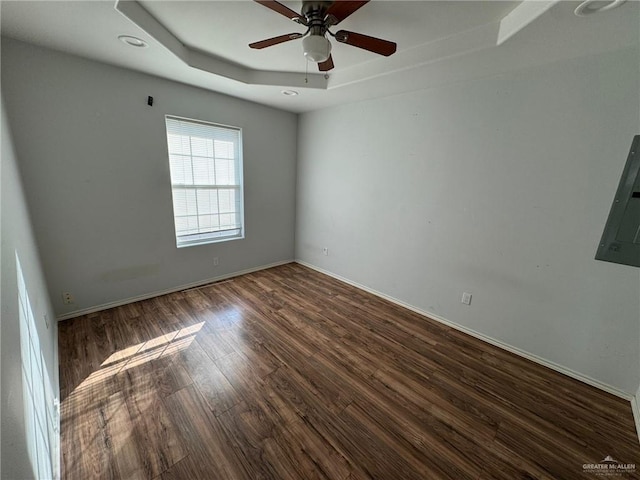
{"x": 215, "y": 236}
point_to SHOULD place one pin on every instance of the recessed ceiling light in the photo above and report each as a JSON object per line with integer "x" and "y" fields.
{"x": 132, "y": 41}
{"x": 589, "y": 7}
{"x": 289, "y": 93}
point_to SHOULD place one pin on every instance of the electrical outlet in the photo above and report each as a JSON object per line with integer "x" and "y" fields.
{"x": 325, "y": 251}
{"x": 67, "y": 298}
{"x": 215, "y": 261}
{"x": 466, "y": 298}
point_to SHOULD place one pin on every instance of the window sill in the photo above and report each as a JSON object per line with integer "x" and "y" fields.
{"x": 206, "y": 241}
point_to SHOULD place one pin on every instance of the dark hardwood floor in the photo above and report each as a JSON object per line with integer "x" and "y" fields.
{"x": 289, "y": 374}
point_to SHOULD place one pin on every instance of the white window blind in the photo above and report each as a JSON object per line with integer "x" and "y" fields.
{"x": 206, "y": 180}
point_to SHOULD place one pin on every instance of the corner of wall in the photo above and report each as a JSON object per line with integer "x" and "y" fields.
{"x": 635, "y": 401}
{"x": 635, "y": 407}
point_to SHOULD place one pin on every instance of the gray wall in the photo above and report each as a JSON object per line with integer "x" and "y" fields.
{"x": 94, "y": 158}
{"x": 499, "y": 187}
{"x": 17, "y": 239}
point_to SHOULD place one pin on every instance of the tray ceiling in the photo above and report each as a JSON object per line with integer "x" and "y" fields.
{"x": 206, "y": 43}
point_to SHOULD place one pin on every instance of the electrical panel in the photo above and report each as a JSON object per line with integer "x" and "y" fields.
{"x": 620, "y": 241}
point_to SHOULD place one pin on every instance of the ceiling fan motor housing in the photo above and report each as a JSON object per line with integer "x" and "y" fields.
{"x": 311, "y": 8}
{"x": 315, "y": 12}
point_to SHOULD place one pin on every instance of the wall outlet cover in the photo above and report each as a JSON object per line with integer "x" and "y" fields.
{"x": 67, "y": 298}
{"x": 466, "y": 298}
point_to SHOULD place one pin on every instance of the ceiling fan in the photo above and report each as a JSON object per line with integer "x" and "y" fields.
{"x": 318, "y": 17}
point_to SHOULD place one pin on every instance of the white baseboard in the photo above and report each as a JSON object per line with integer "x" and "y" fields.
{"x": 635, "y": 407}
{"x": 118, "y": 303}
{"x": 483, "y": 337}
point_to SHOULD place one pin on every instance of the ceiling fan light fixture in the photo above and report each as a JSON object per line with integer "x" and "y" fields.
{"x": 316, "y": 48}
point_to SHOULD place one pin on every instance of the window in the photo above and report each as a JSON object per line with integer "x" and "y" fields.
{"x": 206, "y": 181}
{"x": 41, "y": 416}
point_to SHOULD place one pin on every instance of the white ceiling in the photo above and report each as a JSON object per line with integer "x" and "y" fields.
{"x": 226, "y": 28}
{"x": 438, "y": 42}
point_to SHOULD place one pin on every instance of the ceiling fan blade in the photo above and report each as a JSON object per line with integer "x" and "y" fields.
{"x": 373, "y": 44}
{"x": 280, "y": 8}
{"x": 326, "y": 65}
{"x": 341, "y": 9}
{"x": 276, "y": 40}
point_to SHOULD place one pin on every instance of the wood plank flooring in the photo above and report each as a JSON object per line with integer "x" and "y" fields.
{"x": 290, "y": 374}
